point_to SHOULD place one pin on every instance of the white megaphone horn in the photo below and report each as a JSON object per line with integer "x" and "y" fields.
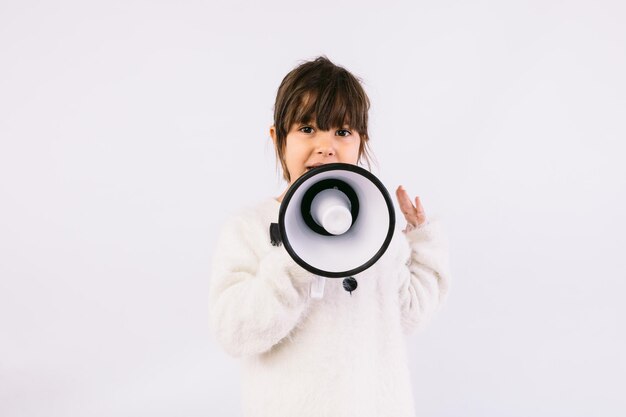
{"x": 336, "y": 221}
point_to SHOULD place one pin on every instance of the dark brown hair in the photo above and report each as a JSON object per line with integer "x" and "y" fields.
{"x": 321, "y": 92}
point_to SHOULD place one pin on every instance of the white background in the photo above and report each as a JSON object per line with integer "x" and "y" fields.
{"x": 129, "y": 130}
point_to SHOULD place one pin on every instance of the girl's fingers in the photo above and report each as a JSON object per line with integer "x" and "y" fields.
{"x": 420, "y": 214}
{"x": 418, "y": 205}
{"x": 406, "y": 206}
{"x": 414, "y": 214}
{"x": 404, "y": 200}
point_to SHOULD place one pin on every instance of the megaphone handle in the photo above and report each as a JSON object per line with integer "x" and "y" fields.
{"x": 317, "y": 287}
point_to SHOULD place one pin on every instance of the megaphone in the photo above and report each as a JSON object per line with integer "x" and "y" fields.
{"x": 336, "y": 221}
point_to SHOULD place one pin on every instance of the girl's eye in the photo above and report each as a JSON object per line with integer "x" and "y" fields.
{"x": 306, "y": 129}
{"x": 343, "y": 132}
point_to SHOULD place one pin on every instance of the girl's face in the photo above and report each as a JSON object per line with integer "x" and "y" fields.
{"x": 307, "y": 146}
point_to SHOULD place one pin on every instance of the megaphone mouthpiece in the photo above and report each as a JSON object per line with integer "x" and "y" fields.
{"x": 331, "y": 210}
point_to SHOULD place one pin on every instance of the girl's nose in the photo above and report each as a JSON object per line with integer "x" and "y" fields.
{"x": 326, "y": 151}
{"x": 325, "y": 146}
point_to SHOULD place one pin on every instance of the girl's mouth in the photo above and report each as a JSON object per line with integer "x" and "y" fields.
{"x": 314, "y": 166}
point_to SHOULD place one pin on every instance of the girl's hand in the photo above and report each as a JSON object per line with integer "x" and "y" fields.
{"x": 414, "y": 214}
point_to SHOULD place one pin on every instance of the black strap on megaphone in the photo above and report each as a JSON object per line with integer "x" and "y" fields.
{"x": 349, "y": 284}
{"x": 275, "y": 237}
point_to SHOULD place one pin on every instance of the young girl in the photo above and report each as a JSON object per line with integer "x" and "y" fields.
{"x": 344, "y": 354}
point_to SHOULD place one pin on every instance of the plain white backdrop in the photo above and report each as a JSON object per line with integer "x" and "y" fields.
{"x": 129, "y": 130}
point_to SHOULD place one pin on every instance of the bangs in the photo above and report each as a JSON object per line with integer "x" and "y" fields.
{"x": 335, "y": 103}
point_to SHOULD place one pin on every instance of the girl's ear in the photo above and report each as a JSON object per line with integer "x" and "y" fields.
{"x": 273, "y": 134}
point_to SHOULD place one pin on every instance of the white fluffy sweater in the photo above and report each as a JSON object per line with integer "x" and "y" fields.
{"x": 340, "y": 356}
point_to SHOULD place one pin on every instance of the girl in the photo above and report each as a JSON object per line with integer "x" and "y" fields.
{"x": 344, "y": 354}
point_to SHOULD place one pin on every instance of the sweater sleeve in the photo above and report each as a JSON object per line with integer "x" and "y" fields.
{"x": 424, "y": 275}
{"x": 258, "y": 294}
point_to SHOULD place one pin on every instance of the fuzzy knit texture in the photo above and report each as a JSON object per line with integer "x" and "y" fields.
{"x": 340, "y": 356}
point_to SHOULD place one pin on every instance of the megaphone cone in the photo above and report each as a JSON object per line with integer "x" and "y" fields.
{"x": 336, "y": 220}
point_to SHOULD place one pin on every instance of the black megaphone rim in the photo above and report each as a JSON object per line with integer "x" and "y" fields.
{"x": 339, "y": 167}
